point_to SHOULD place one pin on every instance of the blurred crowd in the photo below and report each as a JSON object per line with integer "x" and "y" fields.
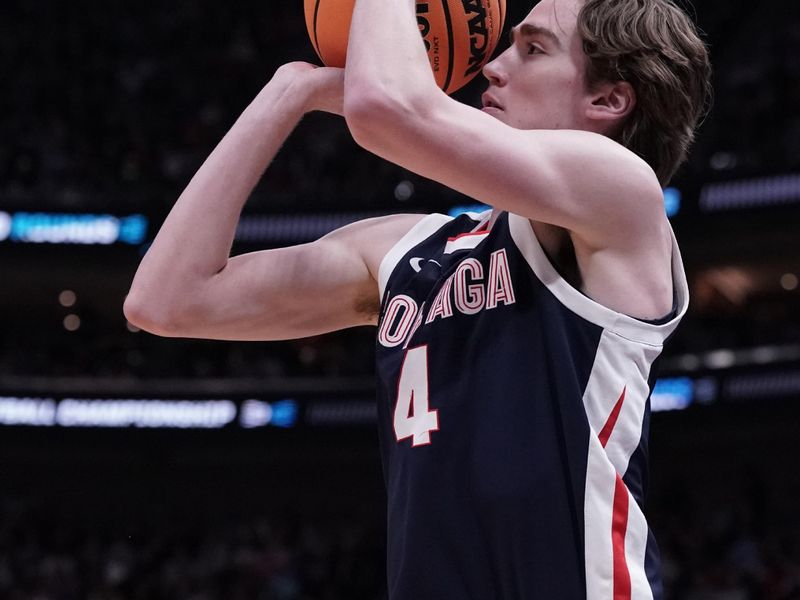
{"x": 99, "y": 350}
{"x": 113, "y": 107}
{"x": 743, "y": 550}
{"x": 754, "y": 125}
{"x": 278, "y": 558}
{"x": 143, "y": 356}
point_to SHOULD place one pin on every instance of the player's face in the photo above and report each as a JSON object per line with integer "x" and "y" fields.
{"x": 538, "y": 83}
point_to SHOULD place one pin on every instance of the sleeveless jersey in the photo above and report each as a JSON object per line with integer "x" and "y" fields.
{"x": 513, "y": 421}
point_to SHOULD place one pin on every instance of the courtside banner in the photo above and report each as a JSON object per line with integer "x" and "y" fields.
{"x": 337, "y": 410}
{"x": 176, "y": 413}
{"x": 75, "y": 229}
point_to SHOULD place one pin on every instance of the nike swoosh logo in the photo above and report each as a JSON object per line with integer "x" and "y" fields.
{"x": 416, "y": 263}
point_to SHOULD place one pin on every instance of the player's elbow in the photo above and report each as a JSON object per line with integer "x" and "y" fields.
{"x": 364, "y": 113}
{"x": 153, "y": 316}
{"x": 373, "y": 115}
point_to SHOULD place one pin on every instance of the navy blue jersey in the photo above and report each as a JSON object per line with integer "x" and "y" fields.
{"x": 513, "y": 421}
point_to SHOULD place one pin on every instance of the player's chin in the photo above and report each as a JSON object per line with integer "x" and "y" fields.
{"x": 498, "y": 113}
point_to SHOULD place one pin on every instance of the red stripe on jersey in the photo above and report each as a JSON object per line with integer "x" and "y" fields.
{"x": 612, "y": 419}
{"x": 461, "y": 235}
{"x": 619, "y": 525}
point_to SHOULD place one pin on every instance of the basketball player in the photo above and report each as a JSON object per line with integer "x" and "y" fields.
{"x": 516, "y": 347}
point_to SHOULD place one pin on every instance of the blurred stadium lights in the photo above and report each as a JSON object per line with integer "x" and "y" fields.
{"x": 750, "y": 193}
{"x": 756, "y": 374}
{"x": 257, "y": 413}
{"x": 743, "y": 388}
{"x": 738, "y": 284}
{"x": 727, "y": 358}
{"x": 67, "y": 298}
{"x": 5, "y": 225}
{"x": 467, "y": 208}
{"x": 287, "y": 228}
{"x": 674, "y": 393}
{"x": 789, "y": 282}
{"x": 115, "y": 413}
{"x": 144, "y": 413}
{"x": 72, "y": 322}
{"x": 672, "y": 201}
{"x": 92, "y": 229}
{"x": 64, "y": 228}
{"x": 404, "y": 190}
{"x": 97, "y": 229}
{"x": 342, "y": 412}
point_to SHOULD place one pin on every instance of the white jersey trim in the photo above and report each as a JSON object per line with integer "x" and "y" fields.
{"x": 621, "y": 369}
{"x": 647, "y": 333}
{"x": 598, "y": 514}
{"x": 615, "y": 401}
{"x": 426, "y": 227}
{"x": 636, "y": 552}
{"x": 481, "y": 217}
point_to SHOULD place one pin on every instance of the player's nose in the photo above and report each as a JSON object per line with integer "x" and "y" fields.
{"x": 495, "y": 73}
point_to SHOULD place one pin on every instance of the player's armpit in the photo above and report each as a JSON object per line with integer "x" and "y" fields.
{"x": 582, "y": 181}
{"x": 284, "y": 293}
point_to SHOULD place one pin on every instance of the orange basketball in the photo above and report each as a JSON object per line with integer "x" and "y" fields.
{"x": 460, "y": 35}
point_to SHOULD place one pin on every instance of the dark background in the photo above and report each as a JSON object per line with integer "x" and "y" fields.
{"x": 111, "y": 107}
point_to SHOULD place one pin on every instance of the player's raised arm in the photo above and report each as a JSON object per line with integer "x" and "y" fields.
{"x": 394, "y": 108}
{"x": 541, "y": 147}
{"x": 187, "y": 285}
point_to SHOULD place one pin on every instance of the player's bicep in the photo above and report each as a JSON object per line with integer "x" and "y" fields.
{"x": 574, "y": 179}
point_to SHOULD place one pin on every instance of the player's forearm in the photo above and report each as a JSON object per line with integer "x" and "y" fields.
{"x": 195, "y": 240}
{"x": 386, "y": 58}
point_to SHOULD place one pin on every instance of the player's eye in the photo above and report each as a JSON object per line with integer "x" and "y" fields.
{"x": 534, "y": 49}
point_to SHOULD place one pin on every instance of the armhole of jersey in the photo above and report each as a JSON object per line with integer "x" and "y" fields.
{"x": 419, "y": 232}
{"x": 626, "y": 326}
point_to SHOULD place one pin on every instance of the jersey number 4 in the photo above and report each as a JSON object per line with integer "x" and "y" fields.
{"x": 412, "y": 415}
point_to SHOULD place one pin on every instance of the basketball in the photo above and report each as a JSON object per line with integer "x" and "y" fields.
{"x": 460, "y": 35}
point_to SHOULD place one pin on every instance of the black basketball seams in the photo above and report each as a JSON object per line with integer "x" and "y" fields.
{"x": 316, "y": 41}
{"x": 449, "y": 26}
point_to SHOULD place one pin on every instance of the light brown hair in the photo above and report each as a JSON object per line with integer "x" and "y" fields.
{"x": 655, "y": 47}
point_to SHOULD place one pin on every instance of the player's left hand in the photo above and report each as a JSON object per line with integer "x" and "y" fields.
{"x": 326, "y": 89}
{"x": 319, "y": 88}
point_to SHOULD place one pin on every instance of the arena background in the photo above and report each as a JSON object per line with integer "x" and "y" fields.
{"x": 139, "y": 467}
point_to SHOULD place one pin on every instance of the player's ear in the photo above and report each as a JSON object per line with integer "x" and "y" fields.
{"x": 611, "y": 101}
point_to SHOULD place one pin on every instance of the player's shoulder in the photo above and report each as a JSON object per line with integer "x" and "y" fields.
{"x": 634, "y": 172}
{"x": 615, "y": 158}
{"x": 640, "y": 195}
{"x": 612, "y": 194}
{"x": 374, "y": 237}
